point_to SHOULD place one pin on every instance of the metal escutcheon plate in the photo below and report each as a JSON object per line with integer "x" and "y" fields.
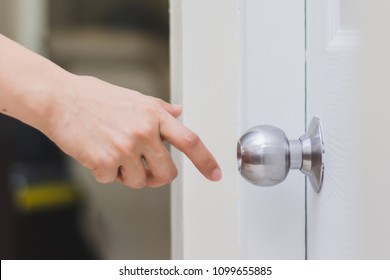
{"x": 313, "y": 154}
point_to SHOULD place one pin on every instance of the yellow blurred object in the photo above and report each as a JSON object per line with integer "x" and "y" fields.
{"x": 45, "y": 196}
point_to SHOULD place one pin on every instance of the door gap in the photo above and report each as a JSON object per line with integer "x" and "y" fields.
{"x": 305, "y": 121}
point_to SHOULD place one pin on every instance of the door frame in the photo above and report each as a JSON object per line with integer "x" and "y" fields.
{"x": 26, "y": 22}
{"x": 205, "y": 79}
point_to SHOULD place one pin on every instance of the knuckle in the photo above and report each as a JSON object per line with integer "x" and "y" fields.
{"x": 163, "y": 180}
{"x": 167, "y": 177}
{"x": 152, "y": 105}
{"x": 101, "y": 165}
{"x": 140, "y": 136}
{"x": 191, "y": 140}
{"x": 208, "y": 163}
{"x": 87, "y": 158}
{"x": 110, "y": 161}
{"x": 157, "y": 182}
{"x": 104, "y": 161}
{"x": 157, "y": 101}
{"x": 127, "y": 147}
{"x": 173, "y": 174}
{"x": 96, "y": 161}
{"x": 145, "y": 132}
{"x": 101, "y": 176}
{"x": 135, "y": 183}
{"x": 138, "y": 184}
{"x": 104, "y": 180}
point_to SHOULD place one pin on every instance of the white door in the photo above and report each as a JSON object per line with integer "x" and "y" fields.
{"x": 281, "y": 62}
{"x": 272, "y": 219}
{"x": 350, "y": 217}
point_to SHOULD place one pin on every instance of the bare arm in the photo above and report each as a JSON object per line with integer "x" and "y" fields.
{"x": 115, "y": 132}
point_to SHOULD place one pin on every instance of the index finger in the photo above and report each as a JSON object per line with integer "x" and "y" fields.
{"x": 191, "y": 145}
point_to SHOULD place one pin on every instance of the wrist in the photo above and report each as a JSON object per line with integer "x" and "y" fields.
{"x": 42, "y": 100}
{"x": 30, "y": 85}
{"x": 55, "y": 97}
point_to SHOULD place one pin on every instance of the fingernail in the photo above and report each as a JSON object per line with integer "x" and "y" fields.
{"x": 216, "y": 174}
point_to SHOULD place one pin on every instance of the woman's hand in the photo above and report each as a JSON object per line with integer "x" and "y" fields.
{"x": 115, "y": 132}
{"x": 119, "y": 134}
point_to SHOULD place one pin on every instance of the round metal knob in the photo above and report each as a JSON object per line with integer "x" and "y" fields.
{"x": 265, "y": 155}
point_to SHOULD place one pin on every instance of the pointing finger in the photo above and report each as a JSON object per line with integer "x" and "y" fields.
{"x": 191, "y": 145}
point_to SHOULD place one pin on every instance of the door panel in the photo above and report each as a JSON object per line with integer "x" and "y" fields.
{"x": 272, "y": 219}
{"x": 337, "y": 228}
{"x": 332, "y": 220}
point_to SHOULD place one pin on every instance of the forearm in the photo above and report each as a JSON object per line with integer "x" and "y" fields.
{"x": 29, "y": 84}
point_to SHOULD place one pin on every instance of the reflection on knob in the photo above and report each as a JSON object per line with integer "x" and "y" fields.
{"x": 265, "y": 155}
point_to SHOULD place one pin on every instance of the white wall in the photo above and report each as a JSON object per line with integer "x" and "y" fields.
{"x": 374, "y": 97}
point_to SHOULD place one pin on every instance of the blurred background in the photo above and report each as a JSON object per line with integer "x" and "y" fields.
{"x": 51, "y": 207}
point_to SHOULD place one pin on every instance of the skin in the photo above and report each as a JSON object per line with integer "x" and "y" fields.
{"x": 115, "y": 132}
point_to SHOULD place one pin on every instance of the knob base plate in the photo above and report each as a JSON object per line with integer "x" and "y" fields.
{"x": 313, "y": 154}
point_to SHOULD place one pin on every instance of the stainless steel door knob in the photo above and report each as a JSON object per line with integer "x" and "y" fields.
{"x": 265, "y": 155}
